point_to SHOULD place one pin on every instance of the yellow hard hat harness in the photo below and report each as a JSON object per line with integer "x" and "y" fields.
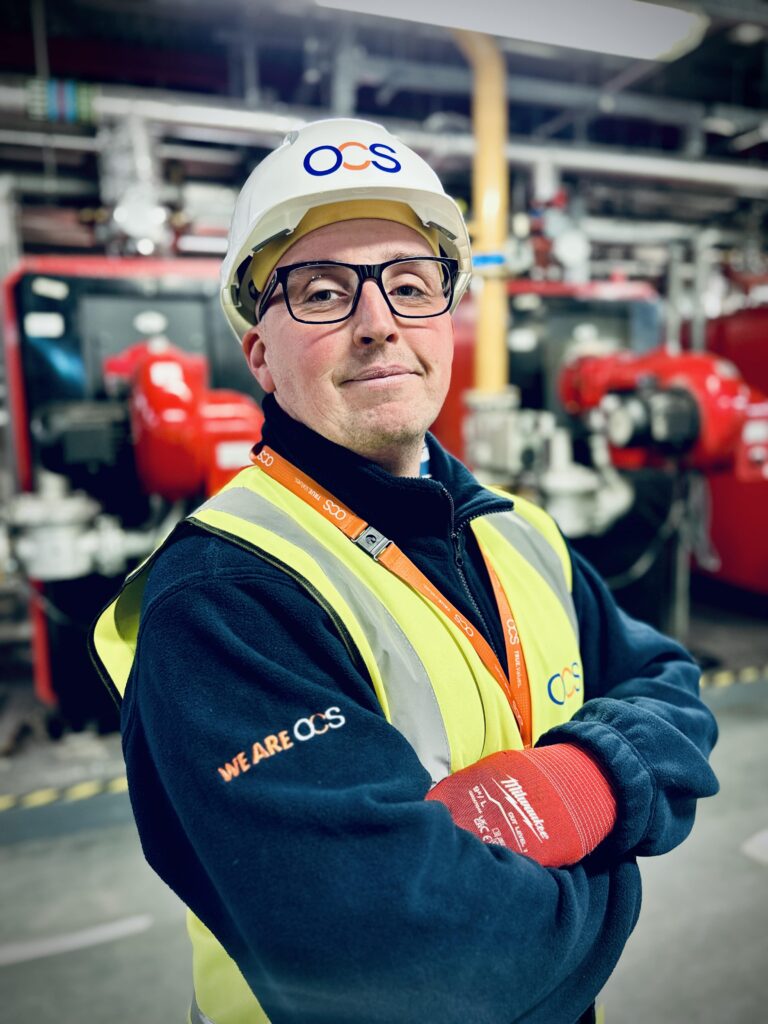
{"x": 266, "y": 258}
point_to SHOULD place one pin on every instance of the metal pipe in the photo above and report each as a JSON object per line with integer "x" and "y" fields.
{"x": 267, "y": 127}
{"x": 731, "y": 176}
{"x": 39, "y": 140}
{"x": 251, "y": 89}
{"x": 673, "y": 314}
{"x": 605, "y": 100}
{"x": 490, "y": 205}
{"x": 39, "y": 39}
{"x": 396, "y": 75}
{"x": 10, "y": 248}
{"x": 615, "y": 231}
{"x": 42, "y": 68}
{"x": 703, "y": 259}
{"x": 91, "y": 144}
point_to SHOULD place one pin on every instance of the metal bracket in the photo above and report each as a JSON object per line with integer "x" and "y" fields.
{"x": 372, "y": 542}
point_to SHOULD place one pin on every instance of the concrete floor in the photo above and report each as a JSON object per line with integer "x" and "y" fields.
{"x": 699, "y": 954}
{"x": 88, "y": 934}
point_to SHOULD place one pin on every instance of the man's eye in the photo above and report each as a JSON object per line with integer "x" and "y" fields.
{"x": 408, "y": 291}
{"x": 321, "y": 295}
{"x": 322, "y": 289}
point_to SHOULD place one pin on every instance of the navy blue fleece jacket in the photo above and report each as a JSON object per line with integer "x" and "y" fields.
{"x": 342, "y": 895}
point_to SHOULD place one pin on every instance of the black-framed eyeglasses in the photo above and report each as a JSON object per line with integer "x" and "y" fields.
{"x": 327, "y": 292}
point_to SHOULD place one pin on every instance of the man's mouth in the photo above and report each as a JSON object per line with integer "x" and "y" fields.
{"x": 379, "y": 373}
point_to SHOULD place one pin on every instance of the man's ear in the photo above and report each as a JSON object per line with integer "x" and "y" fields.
{"x": 255, "y": 353}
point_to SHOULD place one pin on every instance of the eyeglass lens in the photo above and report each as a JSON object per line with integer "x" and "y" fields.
{"x": 326, "y": 292}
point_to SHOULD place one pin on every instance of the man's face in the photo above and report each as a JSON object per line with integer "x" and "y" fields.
{"x": 373, "y": 383}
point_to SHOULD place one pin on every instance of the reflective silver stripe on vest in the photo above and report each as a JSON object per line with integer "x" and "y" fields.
{"x": 412, "y": 702}
{"x": 196, "y": 1015}
{"x": 536, "y": 550}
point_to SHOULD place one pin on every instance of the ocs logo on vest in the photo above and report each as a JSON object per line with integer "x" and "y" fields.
{"x": 563, "y": 684}
{"x": 328, "y": 159}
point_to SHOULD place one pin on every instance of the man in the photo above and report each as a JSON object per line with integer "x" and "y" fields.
{"x": 393, "y": 745}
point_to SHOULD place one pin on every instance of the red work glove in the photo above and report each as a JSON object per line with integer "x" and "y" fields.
{"x": 551, "y": 803}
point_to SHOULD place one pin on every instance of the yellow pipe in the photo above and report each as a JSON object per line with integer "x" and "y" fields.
{"x": 490, "y": 203}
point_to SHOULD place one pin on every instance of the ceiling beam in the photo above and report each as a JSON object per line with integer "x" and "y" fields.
{"x": 412, "y": 76}
{"x": 753, "y": 11}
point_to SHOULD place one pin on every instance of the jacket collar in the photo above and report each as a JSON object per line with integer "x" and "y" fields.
{"x": 402, "y": 508}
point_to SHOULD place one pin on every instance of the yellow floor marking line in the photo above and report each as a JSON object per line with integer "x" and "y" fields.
{"x": 83, "y": 790}
{"x": 751, "y": 675}
{"x": 119, "y": 785}
{"x": 39, "y": 797}
{"x": 65, "y": 794}
{"x": 720, "y": 678}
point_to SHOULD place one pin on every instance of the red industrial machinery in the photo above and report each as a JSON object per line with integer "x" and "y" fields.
{"x": 666, "y": 416}
{"x": 695, "y": 410}
{"x": 129, "y": 401}
{"x": 613, "y": 303}
{"x": 741, "y": 338}
{"x": 128, "y": 404}
{"x": 187, "y": 438}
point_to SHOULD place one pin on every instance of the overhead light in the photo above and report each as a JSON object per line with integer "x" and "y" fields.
{"x": 44, "y": 325}
{"x": 214, "y": 245}
{"x": 752, "y": 138}
{"x": 746, "y": 34}
{"x": 627, "y": 28}
{"x": 719, "y": 125}
{"x": 140, "y": 216}
{"x": 150, "y": 323}
{"x": 521, "y": 225}
{"x": 50, "y": 288}
{"x": 527, "y": 302}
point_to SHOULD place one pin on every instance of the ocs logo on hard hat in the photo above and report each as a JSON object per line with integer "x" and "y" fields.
{"x": 327, "y": 159}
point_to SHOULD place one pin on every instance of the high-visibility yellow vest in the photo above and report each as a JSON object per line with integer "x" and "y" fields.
{"x": 430, "y": 682}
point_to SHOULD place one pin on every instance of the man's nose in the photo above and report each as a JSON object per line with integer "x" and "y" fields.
{"x": 373, "y": 320}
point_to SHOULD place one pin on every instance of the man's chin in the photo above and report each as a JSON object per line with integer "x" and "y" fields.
{"x": 385, "y": 437}
{"x": 389, "y": 426}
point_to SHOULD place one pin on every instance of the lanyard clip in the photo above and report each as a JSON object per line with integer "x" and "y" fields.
{"x": 372, "y": 542}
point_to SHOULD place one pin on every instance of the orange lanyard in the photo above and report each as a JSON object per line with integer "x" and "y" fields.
{"x": 397, "y": 562}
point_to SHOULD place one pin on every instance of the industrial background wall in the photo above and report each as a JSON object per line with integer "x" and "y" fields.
{"x": 611, "y": 364}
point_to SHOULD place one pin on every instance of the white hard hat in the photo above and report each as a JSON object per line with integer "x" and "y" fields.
{"x": 332, "y": 161}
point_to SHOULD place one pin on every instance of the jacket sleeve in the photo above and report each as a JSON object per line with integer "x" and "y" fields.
{"x": 272, "y": 795}
{"x": 642, "y": 720}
